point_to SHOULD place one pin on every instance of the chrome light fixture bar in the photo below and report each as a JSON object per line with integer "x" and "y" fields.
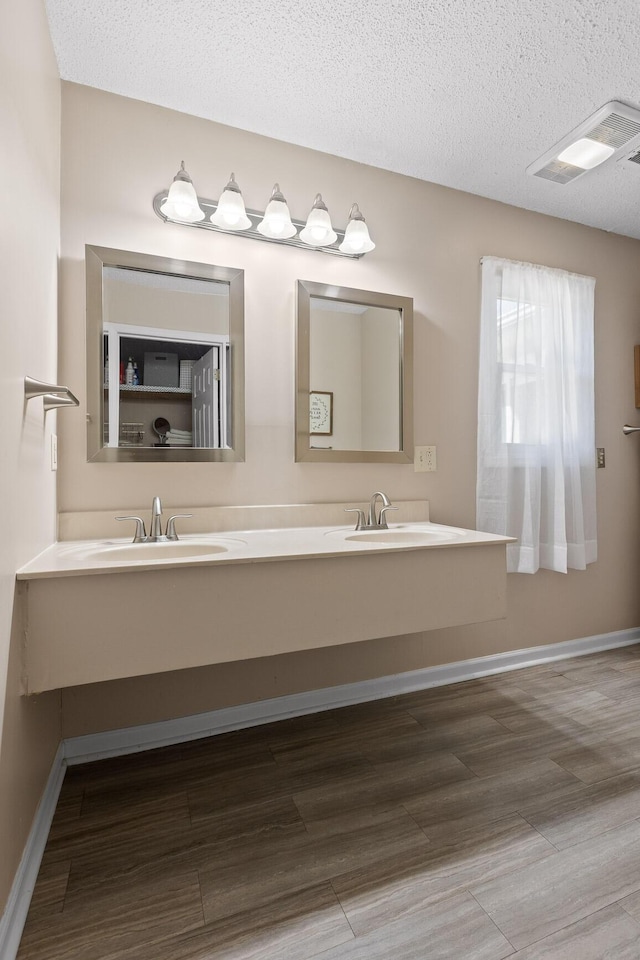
{"x": 275, "y": 225}
{"x": 255, "y": 217}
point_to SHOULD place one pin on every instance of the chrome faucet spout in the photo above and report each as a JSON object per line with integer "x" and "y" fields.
{"x": 156, "y": 521}
{"x": 373, "y": 519}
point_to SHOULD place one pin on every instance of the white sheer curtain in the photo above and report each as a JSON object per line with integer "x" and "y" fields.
{"x": 536, "y": 430}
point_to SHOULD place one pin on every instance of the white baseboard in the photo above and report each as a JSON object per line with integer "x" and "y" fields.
{"x": 151, "y": 735}
{"x": 148, "y": 736}
{"x": 13, "y": 919}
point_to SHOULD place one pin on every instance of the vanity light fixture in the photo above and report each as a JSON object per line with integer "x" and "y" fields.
{"x": 181, "y": 204}
{"x": 318, "y": 231}
{"x": 356, "y": 237}
{"x": 230, "y": 212}
{"x": 182, "y": 200}
{"x": 276, "y": 224}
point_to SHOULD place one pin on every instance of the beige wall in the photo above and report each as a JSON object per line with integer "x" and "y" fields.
{"x": 380, "y": 379}
{"x": 29, "y": 171}
{"x": 335, "y": 361}
{"x": 117, "y": 154}
{"x": 356, "y": 356}
{"x": 147, "y": 306}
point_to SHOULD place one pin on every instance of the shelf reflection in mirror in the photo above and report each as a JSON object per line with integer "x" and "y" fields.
{"x": 353, "y": 375}
{"x": 165, "y": 345}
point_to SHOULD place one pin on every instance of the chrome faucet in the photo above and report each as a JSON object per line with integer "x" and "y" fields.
{"x": 156, "y": 535}
{"x": 374, "y": 521}
{"x": 156, "y": 522}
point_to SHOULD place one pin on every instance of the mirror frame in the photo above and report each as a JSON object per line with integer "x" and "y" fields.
{"x": 96, "y": 259}
{"x": 306, "y": 290}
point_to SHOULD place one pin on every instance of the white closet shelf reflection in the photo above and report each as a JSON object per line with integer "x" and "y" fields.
{"x": 154, "y": 391}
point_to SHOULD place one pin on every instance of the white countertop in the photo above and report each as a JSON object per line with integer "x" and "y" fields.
{"x": 87, "y": 557}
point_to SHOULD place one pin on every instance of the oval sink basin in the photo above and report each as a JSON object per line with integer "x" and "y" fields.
{"x": 400, "y": 537}
{"x": 167, "y": 550}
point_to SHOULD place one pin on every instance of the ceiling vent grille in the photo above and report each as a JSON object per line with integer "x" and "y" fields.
{"x": 615, "y": 125}
{"x": 634, "y": 158}
{"x": 559, "y": 172}
{"x": 615, "y": 131}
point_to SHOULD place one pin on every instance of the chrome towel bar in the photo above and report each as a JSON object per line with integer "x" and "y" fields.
{"x": 54, "y": 394}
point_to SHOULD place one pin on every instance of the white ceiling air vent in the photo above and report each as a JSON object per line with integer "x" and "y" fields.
{"x": 608, "y": 131}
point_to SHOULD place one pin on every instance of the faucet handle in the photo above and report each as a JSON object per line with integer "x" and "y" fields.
{"x": 360, "y": 522}
{"x": 171, "y": 524}
{"x": 382, "y": 520}
{"x": 141, "y": 533}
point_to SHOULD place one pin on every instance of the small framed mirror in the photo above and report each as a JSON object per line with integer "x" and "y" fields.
{"x": 165, "y": 359}
{"x": 354, "y": 387}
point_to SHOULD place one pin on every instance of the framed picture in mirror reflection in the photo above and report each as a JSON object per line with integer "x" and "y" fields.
{"x": 321, "y": 413}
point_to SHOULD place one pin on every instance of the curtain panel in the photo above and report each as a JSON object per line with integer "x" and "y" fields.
{"x": 536, "y": 424}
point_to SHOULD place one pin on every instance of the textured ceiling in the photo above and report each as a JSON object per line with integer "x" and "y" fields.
{"x": 461, "y": 93}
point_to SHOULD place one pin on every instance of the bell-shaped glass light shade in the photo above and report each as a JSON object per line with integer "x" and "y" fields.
{"x": 230, "y": 213}
{"x": 276, "y": 223}
{"x": 182, "y": 200}
{"x": 356, "y": 236}
{"x": 318, "y": 231}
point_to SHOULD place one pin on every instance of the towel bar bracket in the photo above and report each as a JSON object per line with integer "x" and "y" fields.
{"x": 54, "y": 394}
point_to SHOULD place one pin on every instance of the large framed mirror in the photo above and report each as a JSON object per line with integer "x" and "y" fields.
{"x": 165, "y": 359}
{"x": 354, "y": 386}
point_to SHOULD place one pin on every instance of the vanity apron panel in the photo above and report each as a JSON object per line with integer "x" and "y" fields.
{"x": 114, "y": 625}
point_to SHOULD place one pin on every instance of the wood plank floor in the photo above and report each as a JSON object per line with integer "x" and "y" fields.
{"x": 494, "y": 818}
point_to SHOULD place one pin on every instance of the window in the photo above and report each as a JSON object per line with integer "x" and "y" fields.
{"x": 536, "y": 431}
{"x": 518, "y": 372}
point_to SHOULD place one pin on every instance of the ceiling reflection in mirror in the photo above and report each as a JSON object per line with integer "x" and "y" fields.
{"x": 169, "y": 338}
{"x": 353, "y": 375}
